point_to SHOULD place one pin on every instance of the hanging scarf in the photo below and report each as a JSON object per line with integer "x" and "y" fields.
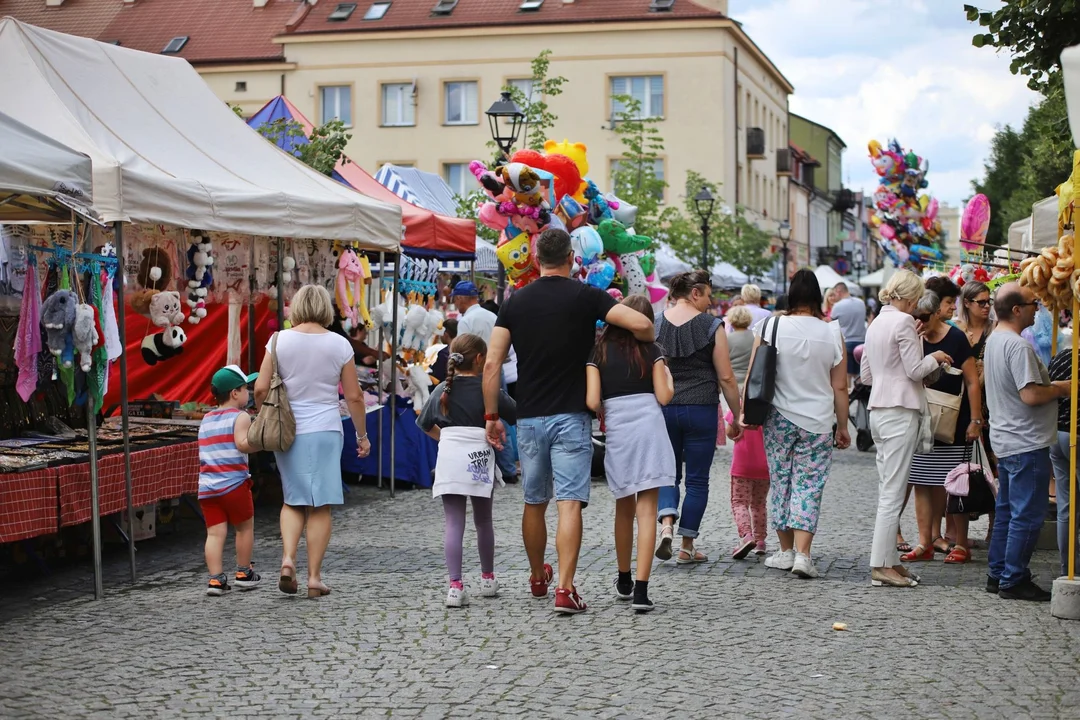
{"x": 28, "y": 341}
{"x": 67, "y": 375}
{"x": 96, "y": 378}
{"x": 108, "y": 321}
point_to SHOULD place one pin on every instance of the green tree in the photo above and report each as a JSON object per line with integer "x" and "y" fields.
{"x": 324, "y": 148}
{"x": 1001, "y": 179}
{"x": 539, "y": 120}
{"x": 1034, "y": 31}
{"x": 634, "y": 177}
{"x": 468, "y": 207}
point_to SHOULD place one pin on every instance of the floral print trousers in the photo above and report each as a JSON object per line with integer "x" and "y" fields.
{"x": 748, "y": 507}
{"x": 799, "y": 465}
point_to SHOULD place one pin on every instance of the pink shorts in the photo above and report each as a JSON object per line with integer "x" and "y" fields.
{"x": 748, "y": 457}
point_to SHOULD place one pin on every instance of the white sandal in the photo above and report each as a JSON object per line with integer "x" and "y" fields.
{"x": 663, "y": 551}
{"x": 692, "y": 556}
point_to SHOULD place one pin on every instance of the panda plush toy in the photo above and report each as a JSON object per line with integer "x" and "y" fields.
{"x": 164, "y": 345}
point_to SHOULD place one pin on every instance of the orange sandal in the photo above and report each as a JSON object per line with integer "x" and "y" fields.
{"x": 919, "y": 554}
{"x": 957, "y": 556}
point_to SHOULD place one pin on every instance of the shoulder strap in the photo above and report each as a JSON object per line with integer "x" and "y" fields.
{"x": 765, "y": 329}
{"x": 273, "y": 352}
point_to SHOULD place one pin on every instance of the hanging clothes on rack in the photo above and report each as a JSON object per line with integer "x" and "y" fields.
{"x": 28, "y": 341}
{"x": 96, "y": 378}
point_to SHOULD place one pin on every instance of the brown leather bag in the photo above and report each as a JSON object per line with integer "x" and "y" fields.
{"x": 274, "y": 429}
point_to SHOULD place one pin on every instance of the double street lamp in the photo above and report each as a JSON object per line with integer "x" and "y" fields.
{"x": 784, "y": 231}
{"x": 703, "y": 203}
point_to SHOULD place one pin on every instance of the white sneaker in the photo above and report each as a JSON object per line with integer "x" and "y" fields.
{"x": 803, "y": 566}
{"x": 489, "y": 587}
{"x": 456, "y": 597}
{"x": 781, "y": 560}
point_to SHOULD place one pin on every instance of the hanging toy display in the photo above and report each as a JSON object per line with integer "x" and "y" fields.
{"x": 58, "y": 319}
{"x": 155, "y": 274}
{"x": 199, "y": 276}
{"x": 164, "y": 345}
{"x": 85, "y": 334}
{"x": 349, "y": 288}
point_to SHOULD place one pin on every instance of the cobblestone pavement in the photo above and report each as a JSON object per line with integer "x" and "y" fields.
{"x": 728, "y": 639}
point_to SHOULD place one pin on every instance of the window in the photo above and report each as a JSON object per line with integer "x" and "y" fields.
{"x": 398, "y": 109}
{"x": 342, "y": 12}
{"x": 461, "y": 103}
{"x": 336, "y": 103}
{"x": 457, "y": 176}
{"x": 658, "y": 173}
{"x": 444, "y": 7}
{"x": 376, "y": 11}
{"x": 241, "y": 86}
{"x": 175, "y": 45}
{"x": 525, "y": 86}
{"x": 646, "y": 89}
{"x": 531, "y": 4}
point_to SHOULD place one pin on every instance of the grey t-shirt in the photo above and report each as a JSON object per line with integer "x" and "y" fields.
{"x": 1016, "y": 427}
{"x": 851, "y": 314}
{"x": 740, "y": 346}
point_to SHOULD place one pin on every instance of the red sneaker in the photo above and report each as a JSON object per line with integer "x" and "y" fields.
{"x": 568, "y": 602}
{"x": 540, "y": 587}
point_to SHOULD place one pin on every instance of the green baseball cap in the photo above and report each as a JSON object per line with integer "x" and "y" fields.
{"x": 230, "y": 378}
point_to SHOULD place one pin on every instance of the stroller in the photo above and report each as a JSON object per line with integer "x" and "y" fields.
{"x": 860, "y": 415}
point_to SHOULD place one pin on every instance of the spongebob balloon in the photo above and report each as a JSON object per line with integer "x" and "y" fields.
{"x": 516, "y": 256}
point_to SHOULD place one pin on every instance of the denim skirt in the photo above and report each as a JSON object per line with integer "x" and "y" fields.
{"x": 311, "y": 470}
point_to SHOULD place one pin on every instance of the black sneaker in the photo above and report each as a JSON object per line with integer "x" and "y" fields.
{"x": 1026, "y": 590}
{"x": 217, "y": 586}
{"x": 642, "y": 605}
{"x": 625, "y": 592}
{"x": 247, "y": 579}
{"x": 991, "y": 585}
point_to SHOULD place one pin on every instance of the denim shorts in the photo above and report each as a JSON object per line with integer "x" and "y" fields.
{"x": 556, "y": 457}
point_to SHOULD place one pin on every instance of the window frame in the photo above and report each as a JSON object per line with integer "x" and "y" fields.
{"x": 446, "y": 101}
{"x": 464, "y": 164}
{"x": 383, "y": 84}
{"x": 614, "y": 159}
{"x": 609, "y": 79}
{"x": 321, "y": 105}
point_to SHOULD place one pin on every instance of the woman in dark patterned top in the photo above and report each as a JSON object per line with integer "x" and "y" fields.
{"x": 1061, "y": 369}
{"x": 697, "y": 351}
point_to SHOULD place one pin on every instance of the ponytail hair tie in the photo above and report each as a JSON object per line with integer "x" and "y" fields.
{"x": 457, "y": 358}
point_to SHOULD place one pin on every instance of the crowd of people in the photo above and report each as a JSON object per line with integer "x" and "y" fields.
{"x": 953, "y": 387}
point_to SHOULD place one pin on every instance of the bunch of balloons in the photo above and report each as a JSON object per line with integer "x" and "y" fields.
{"x": 906, "y": 222}
{"x": 533, "y": 191}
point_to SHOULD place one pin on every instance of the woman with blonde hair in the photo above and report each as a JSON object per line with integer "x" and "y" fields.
{"x": 312, "y": 362}
{"x": 894, "y": 366}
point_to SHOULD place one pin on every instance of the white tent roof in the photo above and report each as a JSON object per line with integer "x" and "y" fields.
{"x": 878, "y": 278}
{"x": 1044, "y": 224}
{"x": 727, "y": 276}
{"x": 667, "y": 264}
{"x": 828, "y": 278}
{"x": 166, "y": 150}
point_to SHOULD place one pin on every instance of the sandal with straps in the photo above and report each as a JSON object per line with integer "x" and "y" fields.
{"x": 693, "y": 556}
{"x": 919, "y": 554}
{"x": 663, "y": 550}
{"x": 958, "y": 555}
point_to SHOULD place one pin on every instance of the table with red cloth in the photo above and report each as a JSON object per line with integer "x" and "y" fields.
{"x": 39, "y": 502}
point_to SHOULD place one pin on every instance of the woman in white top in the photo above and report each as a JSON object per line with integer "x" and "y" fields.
{"x": 811, "y": 390}
{"x": 312, "y": 363}
{"x": 894, "y": 366}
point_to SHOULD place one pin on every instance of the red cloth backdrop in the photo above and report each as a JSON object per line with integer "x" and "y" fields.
{"x": 186, "y": 377}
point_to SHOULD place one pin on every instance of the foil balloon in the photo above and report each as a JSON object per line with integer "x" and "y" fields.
{"x": 633, "y": 277}
{"x": 621, "y": 210}
{"x": 516, "y": 256}
{"x": 600, "y": 274}
{"x": 587, "y": 245}
{"x": 975, "y": 223}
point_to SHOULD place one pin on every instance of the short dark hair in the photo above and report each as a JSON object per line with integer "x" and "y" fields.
{"x": 220, "y": 397}
{"x": 553, "y": 248}
{"x": 804, "y": 292}
{"x": 450, "y": 327}
{"x": 684, "y": 283}
{"x": 1005, "y": 302}
{"x": 943, "y": 287}
{"x": 781, "y": 303}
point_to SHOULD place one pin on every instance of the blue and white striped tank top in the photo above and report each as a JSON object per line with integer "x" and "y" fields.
{"x": 222, "y": 467}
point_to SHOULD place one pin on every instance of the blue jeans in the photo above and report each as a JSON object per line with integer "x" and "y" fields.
{"x": 1059, "y": 458}
{"x": 556, "y": 457}
{"x": 692, "y": 430}
{"x": 1023, "y": 498}
{"x": 507, "y": 458}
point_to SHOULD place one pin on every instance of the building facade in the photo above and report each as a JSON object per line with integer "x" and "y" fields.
{"x": 831, "y": 224}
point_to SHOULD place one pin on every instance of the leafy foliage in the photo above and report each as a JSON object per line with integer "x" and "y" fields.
{"x": 539, "y": 120}
{"x": 324, "y": 148}
{"x": 634, "y": 175}
{"x": 1034, "y": 31}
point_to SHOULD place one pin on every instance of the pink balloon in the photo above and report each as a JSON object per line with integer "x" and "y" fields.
{"x": 491, "y": 217}
{"x": 975, "y": 222}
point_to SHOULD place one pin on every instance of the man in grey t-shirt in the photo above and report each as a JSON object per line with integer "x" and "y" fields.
{"x": 1023, "y": 425}
{"x": 850, "y": 313}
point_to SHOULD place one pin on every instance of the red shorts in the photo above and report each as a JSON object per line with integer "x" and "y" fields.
{"x": 234, "y": 507}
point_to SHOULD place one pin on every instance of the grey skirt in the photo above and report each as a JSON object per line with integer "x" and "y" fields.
{"x": 638, "y": 454}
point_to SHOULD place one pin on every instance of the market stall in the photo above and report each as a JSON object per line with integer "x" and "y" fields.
{"x": 172, "y": 167}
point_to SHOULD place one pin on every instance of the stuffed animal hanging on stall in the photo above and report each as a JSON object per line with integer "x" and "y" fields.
{"x": 85, "y": 334}
{"x": 58, "y": 319}
{"x": 199, "y": 277}
{"x": 349, "y": 288}
{"x": 164, "y": 345}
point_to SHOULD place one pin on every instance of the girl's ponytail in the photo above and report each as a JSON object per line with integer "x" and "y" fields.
{"x": 463, "y": 353}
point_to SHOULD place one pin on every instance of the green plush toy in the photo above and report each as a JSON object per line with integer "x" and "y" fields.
{"x": 618, "y": 240}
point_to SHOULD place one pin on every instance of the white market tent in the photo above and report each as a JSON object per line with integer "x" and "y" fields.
{"x": 667, "y": 264}
{"x": 166, "y": 150}
{"x": 728, "y": 277}
{"x": 878, "y": 278}
{"x": 829, "y": 278}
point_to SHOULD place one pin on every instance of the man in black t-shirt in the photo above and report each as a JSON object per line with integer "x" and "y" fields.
{"x": 1060, "y": 368}
{"x": 552, "y": 325}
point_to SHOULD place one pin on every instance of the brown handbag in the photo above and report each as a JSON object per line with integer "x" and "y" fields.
{"x": 274, "y": 429}
{"x": 944, "y": 413}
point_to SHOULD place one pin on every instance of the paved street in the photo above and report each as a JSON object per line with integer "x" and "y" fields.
{"x": 728, "y": 640}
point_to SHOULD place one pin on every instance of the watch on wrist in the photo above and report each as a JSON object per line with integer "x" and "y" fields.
{"x": 491, "y": 417}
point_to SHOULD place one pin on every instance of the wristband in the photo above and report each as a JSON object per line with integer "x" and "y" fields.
{"x": 491, "y": 417}
{"x": 361, "y": 438}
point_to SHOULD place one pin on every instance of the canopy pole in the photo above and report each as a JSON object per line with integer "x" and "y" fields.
{"x": 379, "y": 362}
{"x": 251, "y": 307}
{"x": 1072, "y": 439}
{"x": 118, "y": 232}
{"x": 280, "y": 290}
{"x": 393, "y": 372}
{"x": 91, "y": 437}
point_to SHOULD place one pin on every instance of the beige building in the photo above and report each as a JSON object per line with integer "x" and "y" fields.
{"x": 950, "y": 232}
{"x": 412, "y": 79}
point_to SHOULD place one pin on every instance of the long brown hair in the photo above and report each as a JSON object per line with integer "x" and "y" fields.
{"x": 624, "y": 340}
{"x": 463, "y": 353}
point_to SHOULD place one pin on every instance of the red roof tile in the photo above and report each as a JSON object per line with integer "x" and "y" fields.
{"x": 219, "y": 31}
{"x": 416, "y": 14}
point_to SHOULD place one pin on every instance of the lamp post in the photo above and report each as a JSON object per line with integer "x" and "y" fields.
{"x": 858, "y": 263}
{"x": 703, "y": 203}
{"x": 505, "y": 119}
{"x": 784, "y": 231}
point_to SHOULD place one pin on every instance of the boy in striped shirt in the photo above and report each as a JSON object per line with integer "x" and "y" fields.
{"x": 224, "y": 480}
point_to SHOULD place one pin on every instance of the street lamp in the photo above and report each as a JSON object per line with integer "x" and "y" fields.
{"x": 858, "y": 263}
{"x": 784, "y": 231}
{"x": 505, "y": 134}
{"x": 703, "y": 203}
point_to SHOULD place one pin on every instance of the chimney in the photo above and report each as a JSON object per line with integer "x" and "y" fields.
{"x": 298, "y": 15}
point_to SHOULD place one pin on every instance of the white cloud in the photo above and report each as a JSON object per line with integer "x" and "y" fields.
{"x": 875, "y": 70}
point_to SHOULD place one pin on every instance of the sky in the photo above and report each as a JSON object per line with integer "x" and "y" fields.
{"x": 878, "y": 69}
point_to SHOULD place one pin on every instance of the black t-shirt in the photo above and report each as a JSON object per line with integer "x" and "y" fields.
{"x": 956, "y": 345}
{"x": 1061, "y": 369}
{"x": 552, "y": 324}
{"x": 621, "y": 375}
{"x": 466, "y": 405}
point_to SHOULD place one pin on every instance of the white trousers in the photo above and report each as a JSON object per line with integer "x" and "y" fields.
{"x": 896, "y": 434}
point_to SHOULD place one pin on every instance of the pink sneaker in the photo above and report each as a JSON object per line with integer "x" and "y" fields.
{"x": 568, "y": 602}
{"x": 743, "y": 548}
{"x": 759, "y": 548}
